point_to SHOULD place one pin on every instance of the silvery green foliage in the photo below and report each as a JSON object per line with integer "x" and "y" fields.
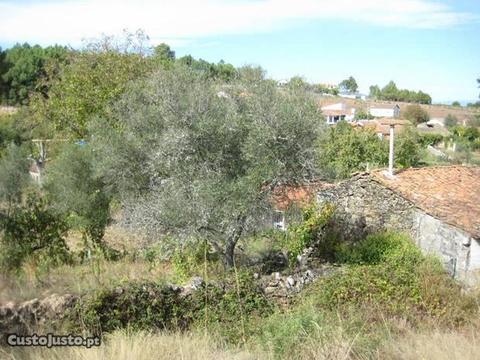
{"x": 13, "y": 175}
{"x": 191, "y": 157}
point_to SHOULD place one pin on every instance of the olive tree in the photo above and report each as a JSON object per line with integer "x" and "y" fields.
{"x": 192, "y": 158}
{"x": 13, "y": 177}
{"x": 79, "y": 194}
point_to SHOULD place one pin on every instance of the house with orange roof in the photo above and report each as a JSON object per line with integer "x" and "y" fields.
{"x": 439, "y": 207}
{"x": 287, "y": 197}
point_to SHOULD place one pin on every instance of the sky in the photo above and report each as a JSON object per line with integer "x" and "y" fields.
{"x": 428, "y": 45}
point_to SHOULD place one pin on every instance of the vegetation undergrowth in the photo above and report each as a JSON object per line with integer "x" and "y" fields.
{"x": 385, "y": 286}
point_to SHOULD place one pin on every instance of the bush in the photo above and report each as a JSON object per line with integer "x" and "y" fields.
{"x": 345, "y": 150}
{"x": 190, "y": 259}
{"x": 451, "y": 121}
{"x": 78, "y": 193}
{"x": 136, "y": 306}
{"x": 407, "y": 149}
{"x": 13, "y": 175}
{"x": 33, "y": 230}
{"x": 388, "y": 273}
{"x": 416, "y": 114}
{"x": 310, "y": 231}
{"x": 378, "y": 248}
{"x": 430, "y": 139}
{"x": 233, "y": 310}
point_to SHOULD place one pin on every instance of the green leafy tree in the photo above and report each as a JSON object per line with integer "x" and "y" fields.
{"x": 25, "y": 66}
{"x": 416, "y": 114}
{"x": 221, "y": 71}
{"x": 407, "y": 149}
{"x": 297, "y": 82}
{"x": 349, "y": 85}
{"x": 375, "y": 92}
{"x": 190, "y": 163}
{"x": 78, "y": 194}
{"x": 391, "y": 93}
{"x": 13, "y": 176}
{"x": 163, "y": 55}
{"x": 91, "y": 81}
{"x": 3, "y": 83}
{"x": 344, "y": 150}
{"x": 163, "y": 51}
{"x": 456, "y": 103}
{"x": 34, "y": 231}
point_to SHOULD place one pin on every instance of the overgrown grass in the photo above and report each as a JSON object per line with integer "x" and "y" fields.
{"x": 124, "y": 345}
{"x": 96, "y": 274}
{"x": 385, "y": 287}
{"x": 385, "y": 296}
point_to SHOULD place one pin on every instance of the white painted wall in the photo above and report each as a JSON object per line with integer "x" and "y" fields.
{"x": 474, "y": 255}
{"x": 377, "y": 112}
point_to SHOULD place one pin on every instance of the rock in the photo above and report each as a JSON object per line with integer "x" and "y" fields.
{"x": 290, "y": 281}
{"x": 196, "y": 283}
{"x": 256, "y": 276}
{"x": 269, "y": 290}
{"x": 277, "y": 276}
{"x": 28, "y": 315}
{"x": 118, "y": 290}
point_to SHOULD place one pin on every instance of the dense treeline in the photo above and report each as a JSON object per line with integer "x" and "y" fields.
{"x": 27, "y": 70}
{"x": 21, "y": 68}
{"x": 391, "y": 93}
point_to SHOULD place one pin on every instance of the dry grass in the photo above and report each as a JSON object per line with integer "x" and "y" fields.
{"x": 434, "y": 345}
{"x": 77, "y": 279}
{"x": 140, "y": 346}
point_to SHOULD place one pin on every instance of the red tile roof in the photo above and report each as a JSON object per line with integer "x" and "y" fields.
{"x": 448, "y": 193}
{"x": 284, "y": 196}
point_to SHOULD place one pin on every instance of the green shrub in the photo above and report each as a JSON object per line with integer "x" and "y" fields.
{"x": 386, "y": 273}
{"x": 137, "y": 306}
{"x": 310, "y": 231}
{"x": 33, "y": 231}
{"x": 282, "y": 332}
{"x": 416, "y": 114}
{"x": 377, "y": 248}
{"x": 451, "y": 121}
{"x": 430, "y": 139}
{"x": 190, "y": 259}
{"x": 233, "y": 310}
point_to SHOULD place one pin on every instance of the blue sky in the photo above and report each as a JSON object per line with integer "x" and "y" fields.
{"x": 430, "y": 45}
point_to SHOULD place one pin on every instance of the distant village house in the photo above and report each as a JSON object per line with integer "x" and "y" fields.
{"x": 388, "y": 111}
{"x": 336, "y": 112}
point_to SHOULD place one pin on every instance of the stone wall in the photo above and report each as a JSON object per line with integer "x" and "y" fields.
{"x": 363, "y": 206}
{"x": 451, "y": 245}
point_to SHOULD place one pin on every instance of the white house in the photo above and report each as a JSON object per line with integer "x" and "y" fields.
{"x": 340, "y": 111}
{"x": 355, "y": 96}
{"x": 388, "y": 111}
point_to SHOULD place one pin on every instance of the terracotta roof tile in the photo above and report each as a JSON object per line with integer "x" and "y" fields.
{"x": 449, "y": 193}
{"x": 286, "y": 195}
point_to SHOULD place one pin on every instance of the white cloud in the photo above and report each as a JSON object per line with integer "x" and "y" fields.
{"x": 180, "y": 21}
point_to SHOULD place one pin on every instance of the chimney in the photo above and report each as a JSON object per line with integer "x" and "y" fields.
{"x": 390, "y": 154}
